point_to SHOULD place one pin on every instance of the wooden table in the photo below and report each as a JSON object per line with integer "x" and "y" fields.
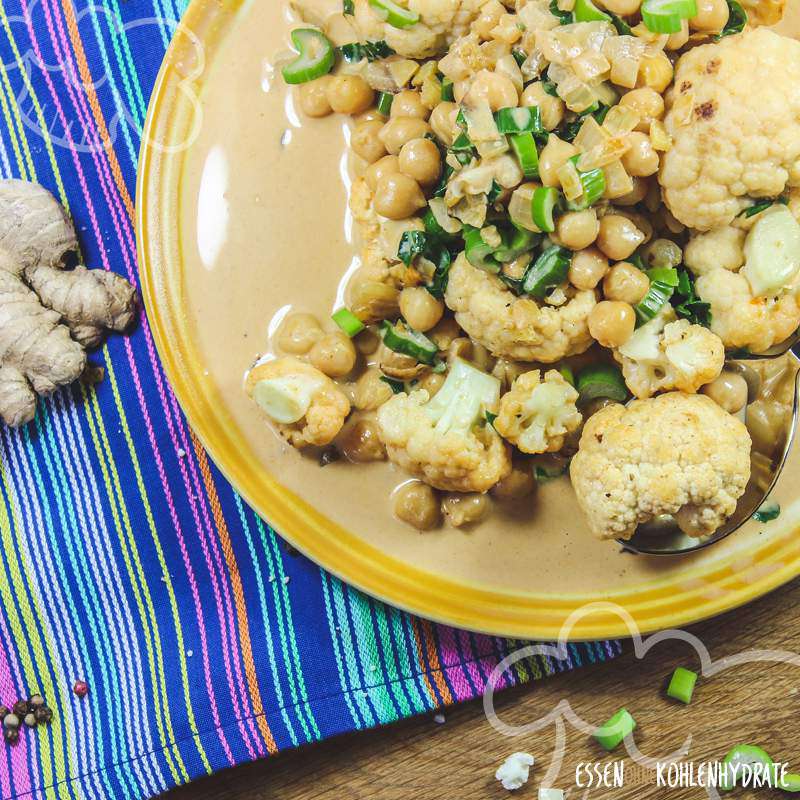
{"x": 754, "y": 703}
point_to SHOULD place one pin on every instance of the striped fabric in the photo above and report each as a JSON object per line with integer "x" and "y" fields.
{"x": 126, "y": 560}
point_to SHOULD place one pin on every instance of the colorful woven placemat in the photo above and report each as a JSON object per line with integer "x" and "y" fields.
{"x": 126, "y": 560}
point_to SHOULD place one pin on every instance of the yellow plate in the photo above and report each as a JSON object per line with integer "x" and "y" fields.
{"x": 521, "y": 583}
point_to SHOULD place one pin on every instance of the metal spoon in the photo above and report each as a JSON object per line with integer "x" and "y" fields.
{"x": 774, "y": 352}
{"x": 664, "y": 538}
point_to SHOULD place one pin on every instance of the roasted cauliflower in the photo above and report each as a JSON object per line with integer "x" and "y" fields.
{"x": 446, "y": 441}
{"x": 305, "y": 405}
{"x": 734, "y": 116}
{"x": 721, "y": 248}
{"x": 536, "y": 415}
{"x": 667, "y": 353}
{"x": 517, "y": 328}
{"x": 673, "y": 454}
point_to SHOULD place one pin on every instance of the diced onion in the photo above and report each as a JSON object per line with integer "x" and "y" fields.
{"x": 570, "y": 181}
{"x": 683, "y": 108}
{"x": 621, "y": 120}
{"x": 603, "y": 154}
{"x": 520, "y": 208}
{"x": 659, "y": 138}
{"x": 618, "y": 182}
{"x": 625, "y": 72}
{"x": 590, "y": 135}
{"x": 591, "y": 66}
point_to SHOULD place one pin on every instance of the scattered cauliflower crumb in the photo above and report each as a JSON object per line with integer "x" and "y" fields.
{"x": 517, "y": 327}
{"x": 513, "y": 773}
{"x": 743, "y": 139}
{"x": 667, "y": 353}
{"x": 446, "y": 441}
{"x": 673, "y": 454}
{"x": 307, "y": 407}
{"x": 439, "y": 719}
{"x": 536, "y": 414}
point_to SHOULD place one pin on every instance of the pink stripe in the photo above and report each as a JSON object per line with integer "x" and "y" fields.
{"x": 450, "y": 661}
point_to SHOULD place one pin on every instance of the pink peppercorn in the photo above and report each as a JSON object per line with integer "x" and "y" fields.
{"x": 81, "y": 688}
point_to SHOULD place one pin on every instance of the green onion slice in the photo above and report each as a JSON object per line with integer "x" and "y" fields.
{"x": 545, "y": 201}
{"x": 447, "y": 90}
{"x": 612, "y": 734}
{"x": 519, "y": 120}
{"x": 666, "y": 16}
{"x": 587, "y": 11}
{"x": 790, "y": 783}
{"x": 348, "y": 321}
{"x": 394, "y": 14}
{"x": 594, "y": 187}
{"x": 547, "y": 272}
{"x": 515, "y": 242}
{"x": 408, "y": 342}
{"x": 742, "y": 755}
{"x": 524, "y": 146}
{"x": 564, "y": 17}
{"x": 737, "y": 19}
{"x": 667, "y": 275}
{"x": 315, "y": 56}
{"x": 656, "y": 298}
{"x": 385, "y": 100}
{"x": 601, "y": 380}
{"x": 478, "y": 253}
{"x": 681, "y": 685}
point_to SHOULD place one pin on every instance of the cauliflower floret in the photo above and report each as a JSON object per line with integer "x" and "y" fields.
{"x": 743, "y": 137}
{"x": 764, "y": 12}
{"x": 667, "y": 353}
{"x": 446, "y": 441}
{"x": 721, "y": 248}
{"x": 514, "y": 327}
{"x": 305, "y": 405}
{"x": 441, "y": 22}
{"x": 672, "y": 454}
{"x": 537, "y": 415}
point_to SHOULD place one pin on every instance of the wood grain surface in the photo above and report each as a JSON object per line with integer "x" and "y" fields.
{"x": 757, "y": 703}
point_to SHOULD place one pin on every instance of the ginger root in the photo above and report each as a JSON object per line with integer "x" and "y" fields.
{"x": 49, "y": 314}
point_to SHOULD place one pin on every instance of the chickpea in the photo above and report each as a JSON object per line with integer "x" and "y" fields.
{"x": 370, "y": 391}
{"x": 314, "y": 97}
{"x": 365, "y": 141}
{"x": 554, "y": 155}
{"x": 611, "y": 323}
{"x": 712, "y": 16}
{"x": 587, "y": 269}
{"x": 443, "y": 122}
{"x": 640, "y": 189}
{"x": 298, "y": 334}
{"x": 420, "y": 160}
{"x": 409, "y": 103}
{"x": 520, "y": 483}
{"x": 334, "y": 354}
{"x": 641, "y": 160}
{"x": 550, "y": 108}
{"x": 655, "y": 72}
{"x": 359, "y": 442}
{"x": 465, "y": 509}
{"x": 367, "y": 342}
{"x": 622, "y": 7}
{"x": 416, "y": 503}
{"x": 388, "y": 165}
{"x": 420, "y": 309}
{"x": 370, "y": 115}
{"x": 578, "y": 229}
{"x": 349, "y": 94}
{"x": 445, "y": 333}
{"x": 398, "y": 197}
{"x": 648, "y": 103}
{"x": 679, "y": 39}
{"x": 490, "y": 16}
{"x": 765, "y": 421}
{"x": 431, "y": 382}
{"x": 493, "y": 88}
{"x": 625, "y": 283}
{"x": 728, "y": 391}
{"x": 399, "y": 130}
{"x": 618, "y": 237}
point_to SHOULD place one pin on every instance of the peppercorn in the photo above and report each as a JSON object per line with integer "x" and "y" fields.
{"x": 35, "y": 701}
{"x": 4, "y": 712}
{"x": 43, "y": 714}
{"x": 20, "y": 708}
{"x": 11, "y": 735}
{"x": 30, "y": 719}
{"x": 11, "y": 721}
{"x": 81, "y": 688}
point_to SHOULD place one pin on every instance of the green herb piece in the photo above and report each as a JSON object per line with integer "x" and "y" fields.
{"x": 371, "y": 51}
{"x": 315, "y": 58}
{"x": 564, "y": 17}
{"x": 612, "y": 734}
{"x": 737, "y": 20}
{"x": 681, "y": 686}
{"x": 412, "y": 244}
{"x": 545, "y": 475}
{"x": 601, "y": 380}
{"x": 687, "y": 304}
{"x": 623, "y": 29}
{"x": 762, "y": 205}
{"x": 520, "y": 56}
{"x": 516, "y": 241}
{"x": 348, "y": 8}
{"x": 447, "y": 90}
{"x": 567, "y": 374}
{"x": 550, "y": 88}
{"x": 490, "y": 418}
{"x": 767, "y": 512}
{"x": 396, "y": 386}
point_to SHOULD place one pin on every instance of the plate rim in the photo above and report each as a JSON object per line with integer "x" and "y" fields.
{"x": 350, "y": 558}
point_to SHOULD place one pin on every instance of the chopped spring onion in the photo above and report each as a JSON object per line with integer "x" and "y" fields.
{"x": 348, "y": 321}
{"x": 519, "y": 120}
{"x": 547, "y": 272}
{"x": 681, "y": 685}
{"x": 315, "y": 56}
{"x": 396, "y": 386}
{"x": 564, "y": 17}
{"x": 550, "y": 88}
{"x": 623, "y": 29}
{"x": 740, "y": 756}
{"x": 567, "y": 374}
{"x": 394, "y": 14}
{"x": 348, "y": 8}
{"x": 447, "y": 90}
{"x": 354, "y": 52}
{"x": 515, "y": 243}
{"x": 767, "y": 512}
{"x": 478, "y": 252}
{"x": 612, "y": 734}
{"x": 587, "y": 11}
{"x": 524, "y": 146}
{"x": 408, "y": 342}
{"x": 667, "y": 275}
{"x": 545, "y": 201}
{"x": 666, "y": 16}
{"x": 737, "y": 19}
{"x": 790, "y": 783}
{"x": 601, "y": 380}
{"x": 385, "y": 100}
{"x": 656, "y": 298}
{"x": 593, "y": 182}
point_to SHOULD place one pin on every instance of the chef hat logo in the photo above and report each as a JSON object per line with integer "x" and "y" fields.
{"x": 563, "y": 713}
